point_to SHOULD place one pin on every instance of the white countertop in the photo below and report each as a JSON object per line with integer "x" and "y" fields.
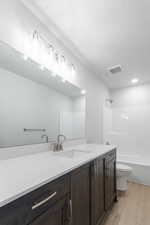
{"x": 21, "y": 175}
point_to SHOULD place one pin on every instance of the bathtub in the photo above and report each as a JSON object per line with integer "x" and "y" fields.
{"x": 140, "y": 166}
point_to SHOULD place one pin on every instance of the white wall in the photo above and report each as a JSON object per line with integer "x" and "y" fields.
{"x": 131, "y": 122}
{"x": 16, "y": 22}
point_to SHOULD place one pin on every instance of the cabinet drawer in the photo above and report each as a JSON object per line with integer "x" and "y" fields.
{"x": 43, "y": 198}
{"x": 25, "y": 209}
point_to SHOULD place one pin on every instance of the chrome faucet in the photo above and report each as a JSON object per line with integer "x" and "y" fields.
{"x": 58, "y": 146}
{"x": 45, "y": 136}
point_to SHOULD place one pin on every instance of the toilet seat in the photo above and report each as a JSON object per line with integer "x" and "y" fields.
{"x": 123, "y": 168}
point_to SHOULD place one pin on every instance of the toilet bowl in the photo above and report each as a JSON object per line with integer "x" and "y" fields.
{"x": 123, "y": 173}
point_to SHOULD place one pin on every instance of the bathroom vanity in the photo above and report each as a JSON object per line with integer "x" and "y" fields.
{"x": 84, "y": 194}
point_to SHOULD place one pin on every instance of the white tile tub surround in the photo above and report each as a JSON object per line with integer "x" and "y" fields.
{"x": 141, "y": 168}
{"x": 130, "y": 123}
{"x": 130, "y": 129}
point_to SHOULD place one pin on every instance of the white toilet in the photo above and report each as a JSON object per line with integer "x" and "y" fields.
{"x": 123, "y": 173}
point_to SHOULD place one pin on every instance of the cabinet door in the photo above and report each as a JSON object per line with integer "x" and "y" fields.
{"x": 15, "y": 213}
{"x": 97, "y": 191}
{"x": 110, "y": 181}
{"x": 55, "y": 215}
{"x": 80, "y": 196}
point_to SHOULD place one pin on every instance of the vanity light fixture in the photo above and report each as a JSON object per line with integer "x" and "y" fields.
{"x": 83, "y": 92}
{"x": 134, "y": 80}
{"x": 44, "y": 53}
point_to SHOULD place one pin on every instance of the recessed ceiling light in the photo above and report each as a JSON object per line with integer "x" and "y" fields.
{"x": 134, "y": 80}
{"x": 83, "y": 92}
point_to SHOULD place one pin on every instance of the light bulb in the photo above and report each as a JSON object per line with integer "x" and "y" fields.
{"x": 73, "y": 71}
{"x": 35, "y": 52}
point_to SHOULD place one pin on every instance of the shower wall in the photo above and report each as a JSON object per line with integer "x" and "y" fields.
{"x": 127, "y": 122}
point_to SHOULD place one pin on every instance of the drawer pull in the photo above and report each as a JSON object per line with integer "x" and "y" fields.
{"x": 43, "y": 201}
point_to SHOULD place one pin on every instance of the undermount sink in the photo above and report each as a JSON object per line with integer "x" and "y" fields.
{"x": 73, "y": 153}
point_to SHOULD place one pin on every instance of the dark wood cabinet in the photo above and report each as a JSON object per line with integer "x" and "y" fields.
{"x": 80, "y": 196}
{"x": 97, "y": 191}
{"x": 14, "y": 213}
{"x": 110, "y": 179}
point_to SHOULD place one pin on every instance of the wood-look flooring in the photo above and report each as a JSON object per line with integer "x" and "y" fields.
{"x": 132, "y": 208}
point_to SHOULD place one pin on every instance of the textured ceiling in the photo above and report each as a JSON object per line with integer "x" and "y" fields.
{"x": 106, "y": 33}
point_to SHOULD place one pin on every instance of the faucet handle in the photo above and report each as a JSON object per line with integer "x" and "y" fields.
{"x": 61, "y": 136}
{"x": 48, "y": 139}
{"x": 45, "y": 136}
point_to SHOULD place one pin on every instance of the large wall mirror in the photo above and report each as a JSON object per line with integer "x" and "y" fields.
{"x": 33, "y": 102}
